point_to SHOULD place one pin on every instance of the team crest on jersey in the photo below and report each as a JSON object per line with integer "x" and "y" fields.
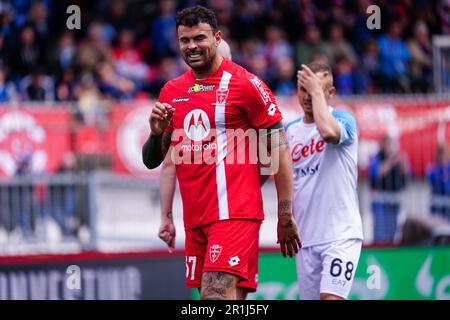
{"x": 201, "y": 88}
{"x": 221, "y": 95}
{"x": 214, "y": 252}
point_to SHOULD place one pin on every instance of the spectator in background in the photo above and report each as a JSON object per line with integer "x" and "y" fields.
{"x": 163, "y": 29}
{"x": 249, "y": 48}
{"x": 345, "y": 78}
{"x": 28, "y": 55}
{"x": 284, "y": 84}
{"x": 421, "y": 59}
{"x": 8, "y": 92}
{"x": 93, "y": 50}
{"x": 67, "y": 88}
{"x": 91, "y": 108}
{"x": 312, "y": 45}
{"x": 260, "y": 67}
{"x": 361, "y": 35}
{"x": 65, "y": 52}
{"x": 337, "y": 46}
{"x": 37, "y": 87}
{"x": 394, "y": 59}
{"x": 168, "y": 69}
{"x": 128, "y": 60}
{"x": 370, "y": 67}
{"x": 117, "y": 15}
{"x": 438, "y": 176}
{"x": 276, "y": 48}
{"x": 38, "y": 18}
{"x": 444, "y": 16}
{"x": 388, "y": 175}
{"x": 112, "y": 85}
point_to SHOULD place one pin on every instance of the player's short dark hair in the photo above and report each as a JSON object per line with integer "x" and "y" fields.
{"x": 192, "y": 16}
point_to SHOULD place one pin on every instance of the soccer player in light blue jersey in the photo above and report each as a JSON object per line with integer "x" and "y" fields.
{"x": 324, "y": 145}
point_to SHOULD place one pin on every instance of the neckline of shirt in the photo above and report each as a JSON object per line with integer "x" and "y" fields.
{"x": 221, "y": 67}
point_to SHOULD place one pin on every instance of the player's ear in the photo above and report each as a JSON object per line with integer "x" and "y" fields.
{"x": 218, "y": 37}
{"x": 331, "y": 91}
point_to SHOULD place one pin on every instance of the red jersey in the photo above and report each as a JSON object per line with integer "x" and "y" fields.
{"x": 212, "y": 124}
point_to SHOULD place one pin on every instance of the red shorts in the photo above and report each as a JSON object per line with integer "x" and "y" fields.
{"x": 229, "y": 246}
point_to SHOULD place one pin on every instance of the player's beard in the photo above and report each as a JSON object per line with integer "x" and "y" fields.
{"x": 203, "y": 64}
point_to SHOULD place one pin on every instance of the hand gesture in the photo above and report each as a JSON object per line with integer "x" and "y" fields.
{"x": 308, "y": 80}
{"x": 160, "y": 117}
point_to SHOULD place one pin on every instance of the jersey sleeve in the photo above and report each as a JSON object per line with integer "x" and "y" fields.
{"x": 164, "y": 98}
{"x": 347, "y": 124}
{"x": 259, "y": 104}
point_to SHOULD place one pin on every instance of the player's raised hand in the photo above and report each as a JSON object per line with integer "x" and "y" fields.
{"x": 160, "y": 117}
{"x": 167, "y": 233}
{"x": 288, "y": 236}
{"x": 308, "y": 80}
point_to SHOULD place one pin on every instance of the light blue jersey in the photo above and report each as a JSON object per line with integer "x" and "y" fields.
{"x": 325, "y": 181}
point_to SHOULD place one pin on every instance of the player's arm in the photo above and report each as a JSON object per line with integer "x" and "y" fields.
{"x": 278, "y": 147}
{"x": 167, "y": 230}
{"x": 158, "y": 143}
{"x": 327, "y": 126}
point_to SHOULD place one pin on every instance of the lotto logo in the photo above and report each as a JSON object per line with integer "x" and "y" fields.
{"x": 234, "y": 261}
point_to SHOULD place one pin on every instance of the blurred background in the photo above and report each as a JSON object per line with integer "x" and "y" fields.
{"x": 74, "y": 108}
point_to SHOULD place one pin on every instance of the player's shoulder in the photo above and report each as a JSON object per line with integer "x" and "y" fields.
{"x": 292, "y": 124}
{"x": 344, "y": 116}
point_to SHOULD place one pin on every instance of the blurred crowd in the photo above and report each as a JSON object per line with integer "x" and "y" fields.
{"x": 126, "y": 49}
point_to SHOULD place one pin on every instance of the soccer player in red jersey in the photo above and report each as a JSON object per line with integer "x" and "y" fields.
{"x": 197, "y": 119}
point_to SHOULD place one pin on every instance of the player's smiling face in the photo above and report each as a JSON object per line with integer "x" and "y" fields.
{"x": 198, "y": 45}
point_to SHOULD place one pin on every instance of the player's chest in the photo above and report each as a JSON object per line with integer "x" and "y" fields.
{"x": 307, "y": 146}
{"x": 208, "y": 105}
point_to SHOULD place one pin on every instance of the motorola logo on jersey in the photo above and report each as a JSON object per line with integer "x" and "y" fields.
{"x": 196, "y": 125}
{"x": 300, "y": 150}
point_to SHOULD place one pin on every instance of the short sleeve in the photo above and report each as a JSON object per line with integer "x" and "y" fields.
{"x": 259, "y": 104}
{"x": 347, "y": 124}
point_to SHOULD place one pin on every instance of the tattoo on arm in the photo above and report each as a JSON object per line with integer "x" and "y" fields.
{"x": 276, "y": 137}
{"x": 285, "y": 207}
{"x": 169, "y": 215}
{"x": 217, "y": 285}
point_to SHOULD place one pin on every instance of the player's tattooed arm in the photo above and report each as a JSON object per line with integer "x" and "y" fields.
{"x": 155, "y": 149}
{"x": 218, "y": 286}
{"x": 276, "y": 137}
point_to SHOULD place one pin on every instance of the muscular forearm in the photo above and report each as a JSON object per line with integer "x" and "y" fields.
{"x": 326, "y": 124}
{"x": 152, "y": 154}
{"x": 167, "y": 187}
{"x": 284, "y": 182}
